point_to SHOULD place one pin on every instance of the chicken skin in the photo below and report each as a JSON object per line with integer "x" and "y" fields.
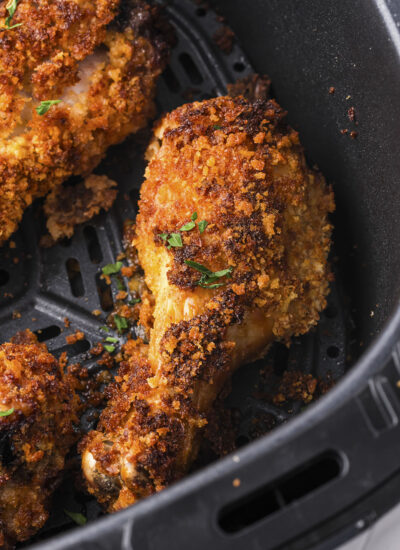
{"x": 98, "y": 62}
{"x": 40, "y": 408}
{"x": 233, "y": 238}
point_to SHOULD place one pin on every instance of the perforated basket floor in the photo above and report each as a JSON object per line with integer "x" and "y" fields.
{"x": 40, "y": 287}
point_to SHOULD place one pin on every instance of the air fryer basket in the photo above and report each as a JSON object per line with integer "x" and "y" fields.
{"x": 332, "y": 469}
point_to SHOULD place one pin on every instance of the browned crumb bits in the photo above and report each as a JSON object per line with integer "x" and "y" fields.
{"x": 97, "y": 349}
{"x": 96, "y": 312}
{"x": 351, "y": 113}
{"x": 66, "y": 322}
{"x": 236, "y": 482}
{"x": 353, "y": 134}
{"x": 73, "y": 338}
{"x": 224, "y": 37}
{"x": 332, "y": 90}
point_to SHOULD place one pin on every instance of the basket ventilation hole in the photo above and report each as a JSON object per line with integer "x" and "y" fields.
{"x": 75, "y": 277}
{"x": 47, "y": 333}
{"x": 272, "y": 498}
{"x": 93, "y": 245}
{"x": 238, "y": 67}
{"x": 171, "y": 81}
{"x": 190, "y": 68}
{"x": 4, "y": 277}
{"x": 105, "y": 295}
{"x": 73, "y": 350}
{"x": 333, "y": 352}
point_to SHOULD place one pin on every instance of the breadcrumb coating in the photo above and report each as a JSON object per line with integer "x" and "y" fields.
{"x": 238, "y": 166}
{"x": 101, "y": 58}
{"x": 65, "y": 207}
{"x": 35, "y": 437}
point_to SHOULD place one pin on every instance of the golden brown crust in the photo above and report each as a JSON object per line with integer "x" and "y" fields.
{"x": 36, "y": 437}
{"x": 59, "y": 45}
{"x": 241, "y": 168}
{"x": 65, "y": 207}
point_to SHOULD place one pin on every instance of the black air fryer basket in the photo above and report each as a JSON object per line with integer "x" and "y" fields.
{"x": 332, "y": 468}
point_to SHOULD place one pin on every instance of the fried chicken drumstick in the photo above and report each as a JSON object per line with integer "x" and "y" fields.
{"x": 223, "y": 291}
{"x": 100, "y": 59}
{"x": 40, "y": 407}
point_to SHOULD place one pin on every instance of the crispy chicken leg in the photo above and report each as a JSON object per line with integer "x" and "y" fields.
{"x": 99, "y": 60}
{"x": 38, "y": 428}
{"x": 223, "y": 291}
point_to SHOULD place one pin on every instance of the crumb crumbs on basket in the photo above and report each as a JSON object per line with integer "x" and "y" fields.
{"x": 236, "y": 482}
{"x": 96, "y": 312}
{"x": 235, "y": 458}
{"x": 73, "y": 338}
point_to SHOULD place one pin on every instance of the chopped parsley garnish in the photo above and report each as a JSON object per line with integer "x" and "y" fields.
{"x": 120, "y": 284}
{"x": 202, "y": 225}
{"x": 106, "y": 329}
{"x": 78, "y": 518}
{"x": 111, "y": 269}
{"x": 11, "y": 7}
{"x": 120, "y": 322}
{"x": 109, "y": 347}
{"x": 175, "y": 240}
{"x": 112, "y": 339}
{"x": 217, "y": 127}
{"x": 188, "y": 226}
{"x": 7, "y": 413}
{"x": 134, "y": 301}
{"x": 208, "y": 277}
{"x": 45, "y": 106}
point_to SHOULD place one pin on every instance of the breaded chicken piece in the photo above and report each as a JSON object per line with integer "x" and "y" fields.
{"x": 101, "y": 58}
{"x": 35, "y": 436}
{"x": 256, "y": 273}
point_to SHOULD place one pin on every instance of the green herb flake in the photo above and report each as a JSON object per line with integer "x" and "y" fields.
{"x": 79, "y": 519}
{"x": 198, "y": 267}
{"x": 175, "y": 240}
{"x": 202, "y": 225}
{"x": 109, "y": 347}
{"x": 120, "y": 284}
{"x": 208, "y": 277}
{"x": 217, "y": 127}
{"x": 193, "y": 217}
{"x": 163, "y": 236}
{"x": 188, "y": 226}
{"x": 11, "y": 7}
{"x": 112, "y": 339}
{"x": 7, "y": 413}
{"x": 45, "y": 106}
{"x": 134, "y": 301}
{"x": 120, "y": 322}
{"x": 106, "y": 329}
{"x": 112, "y": 269}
